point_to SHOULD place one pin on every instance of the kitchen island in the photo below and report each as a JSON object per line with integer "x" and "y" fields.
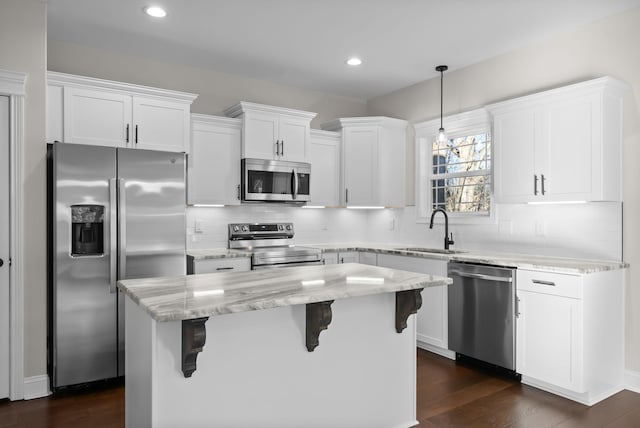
{"x": 245, "y": 349}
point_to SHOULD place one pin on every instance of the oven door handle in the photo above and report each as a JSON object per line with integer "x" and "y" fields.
{"x": 480, "y": 276}
{"x": 294, "y": 182}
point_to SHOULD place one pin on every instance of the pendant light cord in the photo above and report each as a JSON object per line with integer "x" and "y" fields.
{"x": 441, "y": 79}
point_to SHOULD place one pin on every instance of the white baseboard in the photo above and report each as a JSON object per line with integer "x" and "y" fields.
{"x": 437, "y": 350}
{"x": 36, "y": 387}
{"x": 632, "y": 381}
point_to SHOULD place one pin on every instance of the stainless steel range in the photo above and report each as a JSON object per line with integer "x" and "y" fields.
{"x": 271, "y": 245}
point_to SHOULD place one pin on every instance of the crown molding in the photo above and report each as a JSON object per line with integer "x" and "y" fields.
{"x": 337, "y": 124}
{"x": 246, "y": 107}
{"x": 12, "y": 82}
{"x": 205, "y": 119}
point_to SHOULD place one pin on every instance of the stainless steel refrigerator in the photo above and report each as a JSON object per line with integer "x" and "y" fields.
{"x": 113, "y": 214}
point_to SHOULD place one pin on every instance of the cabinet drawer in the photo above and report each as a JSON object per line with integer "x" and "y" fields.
{"x": 222, "y": 265}
{"x": 549, "y": 283}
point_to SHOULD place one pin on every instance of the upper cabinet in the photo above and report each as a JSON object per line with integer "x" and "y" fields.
{"x": 373, "y": 160}
{"x": 325, "y": 167}
{"x": 214, "y": 161}
{"x": 560, "y": 145}
{"x": 85, "y": 110}
{"x": 275, "y": 133}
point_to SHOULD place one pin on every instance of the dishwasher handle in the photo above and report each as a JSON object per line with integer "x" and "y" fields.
{"x": 480, "y": 276}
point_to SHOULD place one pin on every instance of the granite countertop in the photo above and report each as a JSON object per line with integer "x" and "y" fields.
{"x": 217, "y": 253}
{"x": 194, "y": 296}
{"x": 521, "y": 261}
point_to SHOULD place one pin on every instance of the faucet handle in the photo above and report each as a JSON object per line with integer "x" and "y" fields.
{"x": 451, "y": 239}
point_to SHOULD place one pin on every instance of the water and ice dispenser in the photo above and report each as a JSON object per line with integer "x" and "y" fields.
{"x": 87, "y": 230}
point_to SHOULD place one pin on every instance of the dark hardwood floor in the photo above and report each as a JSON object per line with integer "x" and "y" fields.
{"x": 449, "y": 395}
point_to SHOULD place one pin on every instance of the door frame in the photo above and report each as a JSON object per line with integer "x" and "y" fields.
{"x": 13, "y": 85}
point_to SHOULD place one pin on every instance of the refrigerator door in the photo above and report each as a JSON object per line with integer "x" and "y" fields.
{"x": 152, "y": 219}
{"x": 84, "y": 302}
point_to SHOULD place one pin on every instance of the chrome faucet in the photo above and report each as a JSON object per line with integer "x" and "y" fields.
{"x": 447, "y": 241}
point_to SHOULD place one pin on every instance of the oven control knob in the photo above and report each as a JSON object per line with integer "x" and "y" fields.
{"x": 288, "y": 227}
{"x": 245, "y": 228}
{"x": 236, "y": 228}
{"x": 280, "y": 227}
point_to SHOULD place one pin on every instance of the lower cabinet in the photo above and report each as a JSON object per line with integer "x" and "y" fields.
{"x": 349, "y": 257}
{"x": 238, "y": 264}
{"x": 432, "y": 324}
{"x": 569, "y": 333}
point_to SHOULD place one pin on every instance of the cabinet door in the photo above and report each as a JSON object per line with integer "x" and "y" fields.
{"x": 567, "y": 141}
{"x": 549, "y": 339}
{"x": 160, "y": 125}
{"x": 95, "y": 117}
{"x": 260, "y": 136}
{"x": 294, "y": 139}
{"x": 361, "y": 166}
{"x": 432, "y": 324}
{"x": 324, "y": 155}
{"x": 368, "y": 258}
{"x": 214, "y": 164}
{"x": 348, "y": 257}
{"x": 330, "y": 258}
{"x": 514, "y": 164}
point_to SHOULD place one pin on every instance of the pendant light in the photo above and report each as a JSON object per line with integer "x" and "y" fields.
{"x": 441, "y": 135}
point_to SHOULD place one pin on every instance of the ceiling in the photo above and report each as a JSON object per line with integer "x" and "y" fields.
{"x": 305, "y": 43}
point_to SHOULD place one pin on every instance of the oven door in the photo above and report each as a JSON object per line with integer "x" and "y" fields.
{"x": 279, "y": 181}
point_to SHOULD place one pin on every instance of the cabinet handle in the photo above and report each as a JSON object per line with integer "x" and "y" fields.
{"x": 346, "y": 196}
{"x": 238, "y": 192}
{"x": 127, "y": 133}
{"x": 541, "y": 282}
{"x": 517, "y": 307}
{"x": 136, "y": 134}
{"x": 535, "y": 185}
{"x": 224, "y": 268}
{"x": 282, "y": 148}
{"x": 542, "y": 182}
{"x": 341, "y": 259}
{"x": 277, "y": 147}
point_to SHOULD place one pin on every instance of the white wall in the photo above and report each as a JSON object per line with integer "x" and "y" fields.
{"x": 607, "y": 47}
{"x": 23, "y": 44}
{"x": 217, "y": 91}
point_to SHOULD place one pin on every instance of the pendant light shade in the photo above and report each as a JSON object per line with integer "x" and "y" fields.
{"x": 442, "y": 137}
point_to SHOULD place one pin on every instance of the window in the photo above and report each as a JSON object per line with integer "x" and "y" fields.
{"x": 455, "y": 175}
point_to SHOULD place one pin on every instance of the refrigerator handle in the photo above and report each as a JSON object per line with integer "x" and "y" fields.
{"x": 113, "y": 235}
{"x": 122, "y": 228}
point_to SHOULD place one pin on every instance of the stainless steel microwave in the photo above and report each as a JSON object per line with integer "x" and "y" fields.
{"x": 275, "y": 181}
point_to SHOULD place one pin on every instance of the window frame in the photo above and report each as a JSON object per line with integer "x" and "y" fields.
{"x": 460, "y": 125}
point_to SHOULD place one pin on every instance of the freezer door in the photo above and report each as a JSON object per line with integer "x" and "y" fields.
{"x": 152, "y": 219}
{"x": 83, "y": 299}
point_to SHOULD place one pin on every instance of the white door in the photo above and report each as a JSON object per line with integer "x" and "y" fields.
{"x": 160, "y": 125}
{"x": 99, "y": 118}
{"x": 4, "y": 247}
{"x": 361, "y": 166}
{"x": 294, "y": 139}
{"x": 260, "y": 136}
{"x": 325, "y": 170}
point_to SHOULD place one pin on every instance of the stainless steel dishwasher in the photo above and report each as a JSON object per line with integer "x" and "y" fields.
{"x": 482, "y": 313}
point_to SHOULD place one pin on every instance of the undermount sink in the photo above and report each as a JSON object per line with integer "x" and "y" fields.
{"x": 430, "y": 250}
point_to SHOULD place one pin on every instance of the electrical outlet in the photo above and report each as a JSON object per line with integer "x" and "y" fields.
{"x": 392, "y": 224}
{"x": 541, "y": 228}
{"x": 197, "y": 226}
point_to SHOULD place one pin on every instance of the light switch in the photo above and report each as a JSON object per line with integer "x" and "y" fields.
{"x": 197, "y": 227}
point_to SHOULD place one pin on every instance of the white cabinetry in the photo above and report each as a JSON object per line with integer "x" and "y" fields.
{"x": 273, "y": 132}
{"x": 569, "y": 337}
{"x": 560, "y": 145}
{"x": 348, "y": 257}
{"x": 432, "y": 324}
{"x": 367, "y": 258}
{"x": 85, "y": 110}
{"x": 373, "y": 160}
{"x": 237, "y": 264}
{"x": 324, "y": 156}
{"x": 329, "y": 258}
{"x": 214, "y": 161}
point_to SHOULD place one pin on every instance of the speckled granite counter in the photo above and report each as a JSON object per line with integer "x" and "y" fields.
{"x": 521, "y": 261}
{"x": 193, "y": 296}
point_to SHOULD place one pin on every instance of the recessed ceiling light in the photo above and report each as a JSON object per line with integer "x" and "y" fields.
{"x": 155, "y": 11}
{"x": 354, "y": 61}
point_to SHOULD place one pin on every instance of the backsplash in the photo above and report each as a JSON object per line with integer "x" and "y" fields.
{"x": 592, "y": 230}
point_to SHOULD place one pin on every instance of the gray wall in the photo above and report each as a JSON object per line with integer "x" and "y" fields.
{"x": 23, "y": 47}
{"x": 607, "y": 47}
{"x": 217, "y": 91}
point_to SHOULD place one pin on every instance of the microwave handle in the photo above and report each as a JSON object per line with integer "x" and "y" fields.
{"x": 294, "y": 183}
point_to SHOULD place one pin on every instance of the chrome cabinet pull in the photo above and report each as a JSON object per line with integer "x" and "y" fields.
{"x": 541, "y": 282}
{"x": 346, "y": 196}
{"x": 224, "y": 268}
{"x": 136, "y": 134}
{"x": 542, "y": 182}
{"x": 282, "y": 148}
{"x": 535, "y": 185}
{"x": 277, "y": 147}
{"x": 127, "y": 133}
